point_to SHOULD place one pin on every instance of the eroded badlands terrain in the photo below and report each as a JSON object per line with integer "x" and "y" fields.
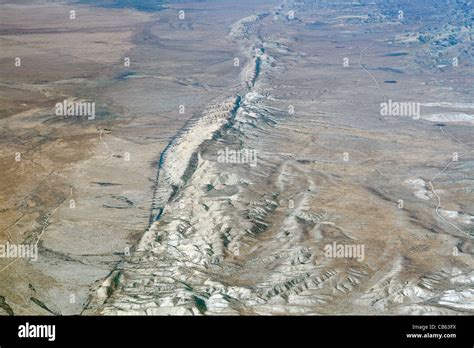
{"x": 242, "y": 163}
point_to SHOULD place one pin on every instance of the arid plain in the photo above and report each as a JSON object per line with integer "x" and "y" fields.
{"x": 137, "y": 211}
